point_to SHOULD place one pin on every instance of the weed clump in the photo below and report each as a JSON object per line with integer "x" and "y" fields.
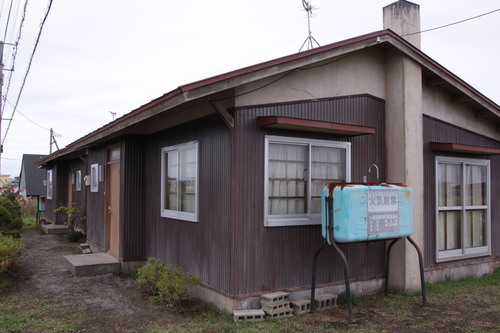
{"x": 164, "y": 284}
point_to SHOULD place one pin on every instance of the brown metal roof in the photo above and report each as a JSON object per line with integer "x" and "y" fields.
{"x": 204, "y": 88}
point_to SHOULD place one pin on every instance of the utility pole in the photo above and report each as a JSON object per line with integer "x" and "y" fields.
{"x": 53, "y": 140}
{"x": 1, "y": 109}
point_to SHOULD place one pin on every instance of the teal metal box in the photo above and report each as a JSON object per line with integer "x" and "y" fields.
{"x": 362, "y": 212}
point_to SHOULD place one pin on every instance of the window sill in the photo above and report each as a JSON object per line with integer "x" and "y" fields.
{"x": 189, "y": 217}
{"x": 476, "y": 253}
{"x": 291, "y": 222}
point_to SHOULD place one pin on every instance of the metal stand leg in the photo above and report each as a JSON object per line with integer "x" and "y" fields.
{"x": 313, "y": 285}
{"x": 387, "y": 259}
{"x": 347, "y": 283}
{"x": 421, "y": 264}
{"x": 422, "y": 276}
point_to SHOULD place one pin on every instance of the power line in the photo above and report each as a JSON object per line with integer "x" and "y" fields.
{"x": 26, "y": 117}
{"x": 8, "y": 19}
{"x": 14, "y": 54}
{"x": 450, "y": 24}
{"x": 28, "y": 69}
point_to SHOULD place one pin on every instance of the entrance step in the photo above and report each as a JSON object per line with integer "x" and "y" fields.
{"x": 54, "y": 229}
{"x": 92, "y": 264}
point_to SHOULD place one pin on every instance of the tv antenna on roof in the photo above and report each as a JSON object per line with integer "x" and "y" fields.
{"x": 309, "y": 40}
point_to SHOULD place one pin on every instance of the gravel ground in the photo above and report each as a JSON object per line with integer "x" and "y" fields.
{"x": 106, "y": 303}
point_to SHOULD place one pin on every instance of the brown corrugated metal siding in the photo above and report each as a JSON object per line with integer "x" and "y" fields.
{"x": 80, "y": 197}
{"x": 95, "y": 201}
{"x": 59, "y": 193}
{"x": 133, "y": 179}
{"x": 438, "y": 131}
{"x": 273, "y": 258}
{"x": 203, "y": 248}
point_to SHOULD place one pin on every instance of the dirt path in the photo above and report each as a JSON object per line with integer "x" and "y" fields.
{"x": 105, "y": 303}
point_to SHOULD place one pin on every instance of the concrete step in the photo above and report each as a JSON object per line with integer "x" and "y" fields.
{"x": 54, "y": 229}
{"x": 92, "y": 264}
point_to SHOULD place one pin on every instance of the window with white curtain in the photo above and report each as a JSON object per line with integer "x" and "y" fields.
{"x": 296, "y": 170}
{"x": 78, "y": 180}
{"x": 49, "y": 184}
{"x": 179, "y": 182}
{"x": 463, "y": 208}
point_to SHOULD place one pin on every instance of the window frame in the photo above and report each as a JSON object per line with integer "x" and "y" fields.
{"x": 78, "y": 180}
{"x": 94, "y": 177}
{"x": 463, "y": 252}
{"x": 308, "y": 218}
{"x": 176, "y": 214}
{"x": 50, "y": 184}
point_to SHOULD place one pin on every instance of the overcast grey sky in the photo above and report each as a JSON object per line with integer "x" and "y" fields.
{"x": 97, "y": 56}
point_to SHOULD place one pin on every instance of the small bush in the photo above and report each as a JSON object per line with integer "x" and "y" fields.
{"x": 76, "y": 236}
{"x": 11, "y": 251}
{"x": 164, "y": 283}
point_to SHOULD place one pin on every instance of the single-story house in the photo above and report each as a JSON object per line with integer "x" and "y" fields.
{"x": 31, "y": 181}
{"x": 31, "y": 178}
{"x": 222, "y": 177}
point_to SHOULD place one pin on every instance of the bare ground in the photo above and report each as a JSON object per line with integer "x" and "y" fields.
{"x": 110, "y": 303}
{"x": 105, "y": 303}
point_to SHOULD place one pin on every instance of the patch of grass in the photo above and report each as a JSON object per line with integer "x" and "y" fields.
{"x": 469, "y": 305}
{"x": 30, "y": 223}
{"x": 5, "y": 281}
{"x": 27, "y": 314}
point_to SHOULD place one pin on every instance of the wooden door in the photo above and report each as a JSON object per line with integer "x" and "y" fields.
{"x": 113, "y": 202}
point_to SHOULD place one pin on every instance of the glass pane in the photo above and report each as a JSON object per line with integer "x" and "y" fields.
{"x": 449, "y": 186}
{"x": 187, "y": 180}
{"x": 171, "y": 163}
{"x": 475, "y": 178}
{"x": 450, "y": 230}
{"x": 476, "y": 228}
{"x": 287, "y": 170}
{"x": 328, "y": 166}
{"x": 114, "y": 154}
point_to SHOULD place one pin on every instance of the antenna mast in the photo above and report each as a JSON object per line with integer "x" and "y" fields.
{"x": 309, "y": 40}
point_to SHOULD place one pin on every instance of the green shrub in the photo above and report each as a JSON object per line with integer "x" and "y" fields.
{"x": 11, "y": 251}
{"x": 164, "y": 283}
{"x": 70, "y": 213}
{"x": 12, "y": 206}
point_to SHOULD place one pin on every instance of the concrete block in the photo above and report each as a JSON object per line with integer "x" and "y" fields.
{"x": 301, "y": 306}
{"x": 248, "y": 315}
{"x": 275, "y": 308}
{"x": 325, "y": 301}
{"x": 276, "y": 297}
{"x": 281, "y": 314}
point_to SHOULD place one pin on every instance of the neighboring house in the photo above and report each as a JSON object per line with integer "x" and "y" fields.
{"x": 32, "y": 181}
{"x": 5, "y": 181}
{"x": 31, "y": 178}
{"x": 222, "y": 177}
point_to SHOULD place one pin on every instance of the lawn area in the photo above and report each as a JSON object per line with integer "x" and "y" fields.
{"x": 468, "y": 305}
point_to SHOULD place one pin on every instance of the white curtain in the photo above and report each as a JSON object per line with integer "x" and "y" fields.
{"x": 476, "y": 196}
{"x": 328, "y": 166}
{"x": 187, "y": 180}
{"x": 172, "y": 166}
{"x": 287, "y": 168}
{"x": 289, "y": 176}
{"x": 449, "y": 189}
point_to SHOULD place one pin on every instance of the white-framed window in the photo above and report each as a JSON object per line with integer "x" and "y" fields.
{"x": 94, "y": 178}
{"x": 78, "y": 180}
{"x": 296, "y": 170}
{"x": 49, "y": 184}
{"x": 463, "y": 226}
{"x": 179, "y": 182}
